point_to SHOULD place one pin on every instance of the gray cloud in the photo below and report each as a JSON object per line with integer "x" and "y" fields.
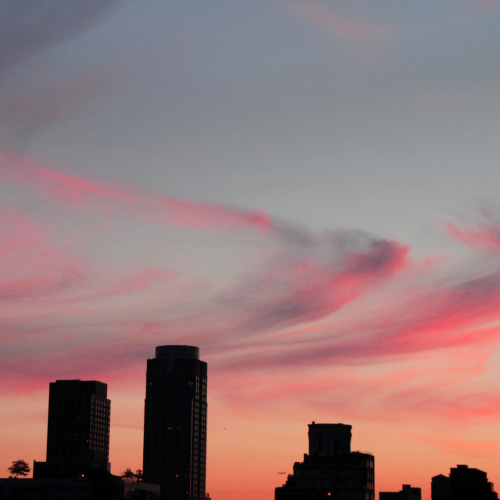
{"x": 313, "y": 277}
{"x": 28, "y": 102}
{"x": 31, "y": 25}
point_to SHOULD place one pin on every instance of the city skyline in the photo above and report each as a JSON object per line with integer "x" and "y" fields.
{"x": 176, "y": 401}
{"x": 305, "y": 189}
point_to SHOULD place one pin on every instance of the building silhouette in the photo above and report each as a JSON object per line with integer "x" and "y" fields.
{"x": 331, "y": 471}
{"x": 463, "y": 483}
{"x": 175, "y": 423}
{"x": 76, "y": 466}
{"x": 78, "y": 430}
{"x": 406, "y": 493}
{"x": 45, "y": 489}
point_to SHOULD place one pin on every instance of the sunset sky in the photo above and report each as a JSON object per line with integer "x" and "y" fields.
{"x": 306, "y": 190}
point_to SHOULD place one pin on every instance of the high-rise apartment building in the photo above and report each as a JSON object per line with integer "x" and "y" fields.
{"x": 78, "y": 429}
{"x": 330, "y": 470}
{"x": 175, "y": 423}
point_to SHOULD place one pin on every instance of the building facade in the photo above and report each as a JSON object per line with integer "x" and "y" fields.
{"x": 463, "y": 483}
{"x": 331, "y": 471}
{"x": 175, "y": 423}
{"x": 78, "y": 430}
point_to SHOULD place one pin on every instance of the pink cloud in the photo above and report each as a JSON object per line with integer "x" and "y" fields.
{"x": 427, "y": 320}
{"x": 475, "y": 9}
{"x": 120, "y": 284}
{"x": 340, "y": 26}
{"x": 429, "y": 387}
{"x": 415, "y": 390}
{"x": 486, "y": 237}
{"x": 486, "y": 4}
{"x": 474, "y": 406}
{"x": 311, "y": 280}
{"x": 30, "y": 265}
{"x": 78, "y": 191}
{"x": 265, "y": 318}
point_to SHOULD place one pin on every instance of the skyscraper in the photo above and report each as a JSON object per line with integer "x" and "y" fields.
{"x": 78, "y": 429}
{"x": 175, "y": 423}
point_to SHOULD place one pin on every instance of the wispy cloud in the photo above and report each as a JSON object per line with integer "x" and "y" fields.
{"x": 436, "y": 319}
{"x": 298, "y": 277}
{"x": 486, "y": 236}
{"x": 29, "y": 27}
{"x": 277, "y": 313}
{"x": 30, "y": 265}
{"x": 31, "y": 102}
{"x": 338, "y": 25}
{"x": 78, "y": 191}
{"x": 308, "y": 281}
{"x": 488, "y": 4}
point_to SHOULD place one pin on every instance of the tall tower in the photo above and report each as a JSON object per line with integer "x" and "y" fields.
{"x": 78, "y": 429}
{"x": 175, "y": 423}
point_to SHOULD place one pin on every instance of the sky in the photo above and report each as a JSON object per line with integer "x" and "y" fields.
{"x": 306, "y": 190}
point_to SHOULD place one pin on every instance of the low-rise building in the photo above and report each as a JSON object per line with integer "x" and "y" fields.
{"x": 407, "y": 492}
{"x": 330, "y": 471}
{"x": 463, "y": 483}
